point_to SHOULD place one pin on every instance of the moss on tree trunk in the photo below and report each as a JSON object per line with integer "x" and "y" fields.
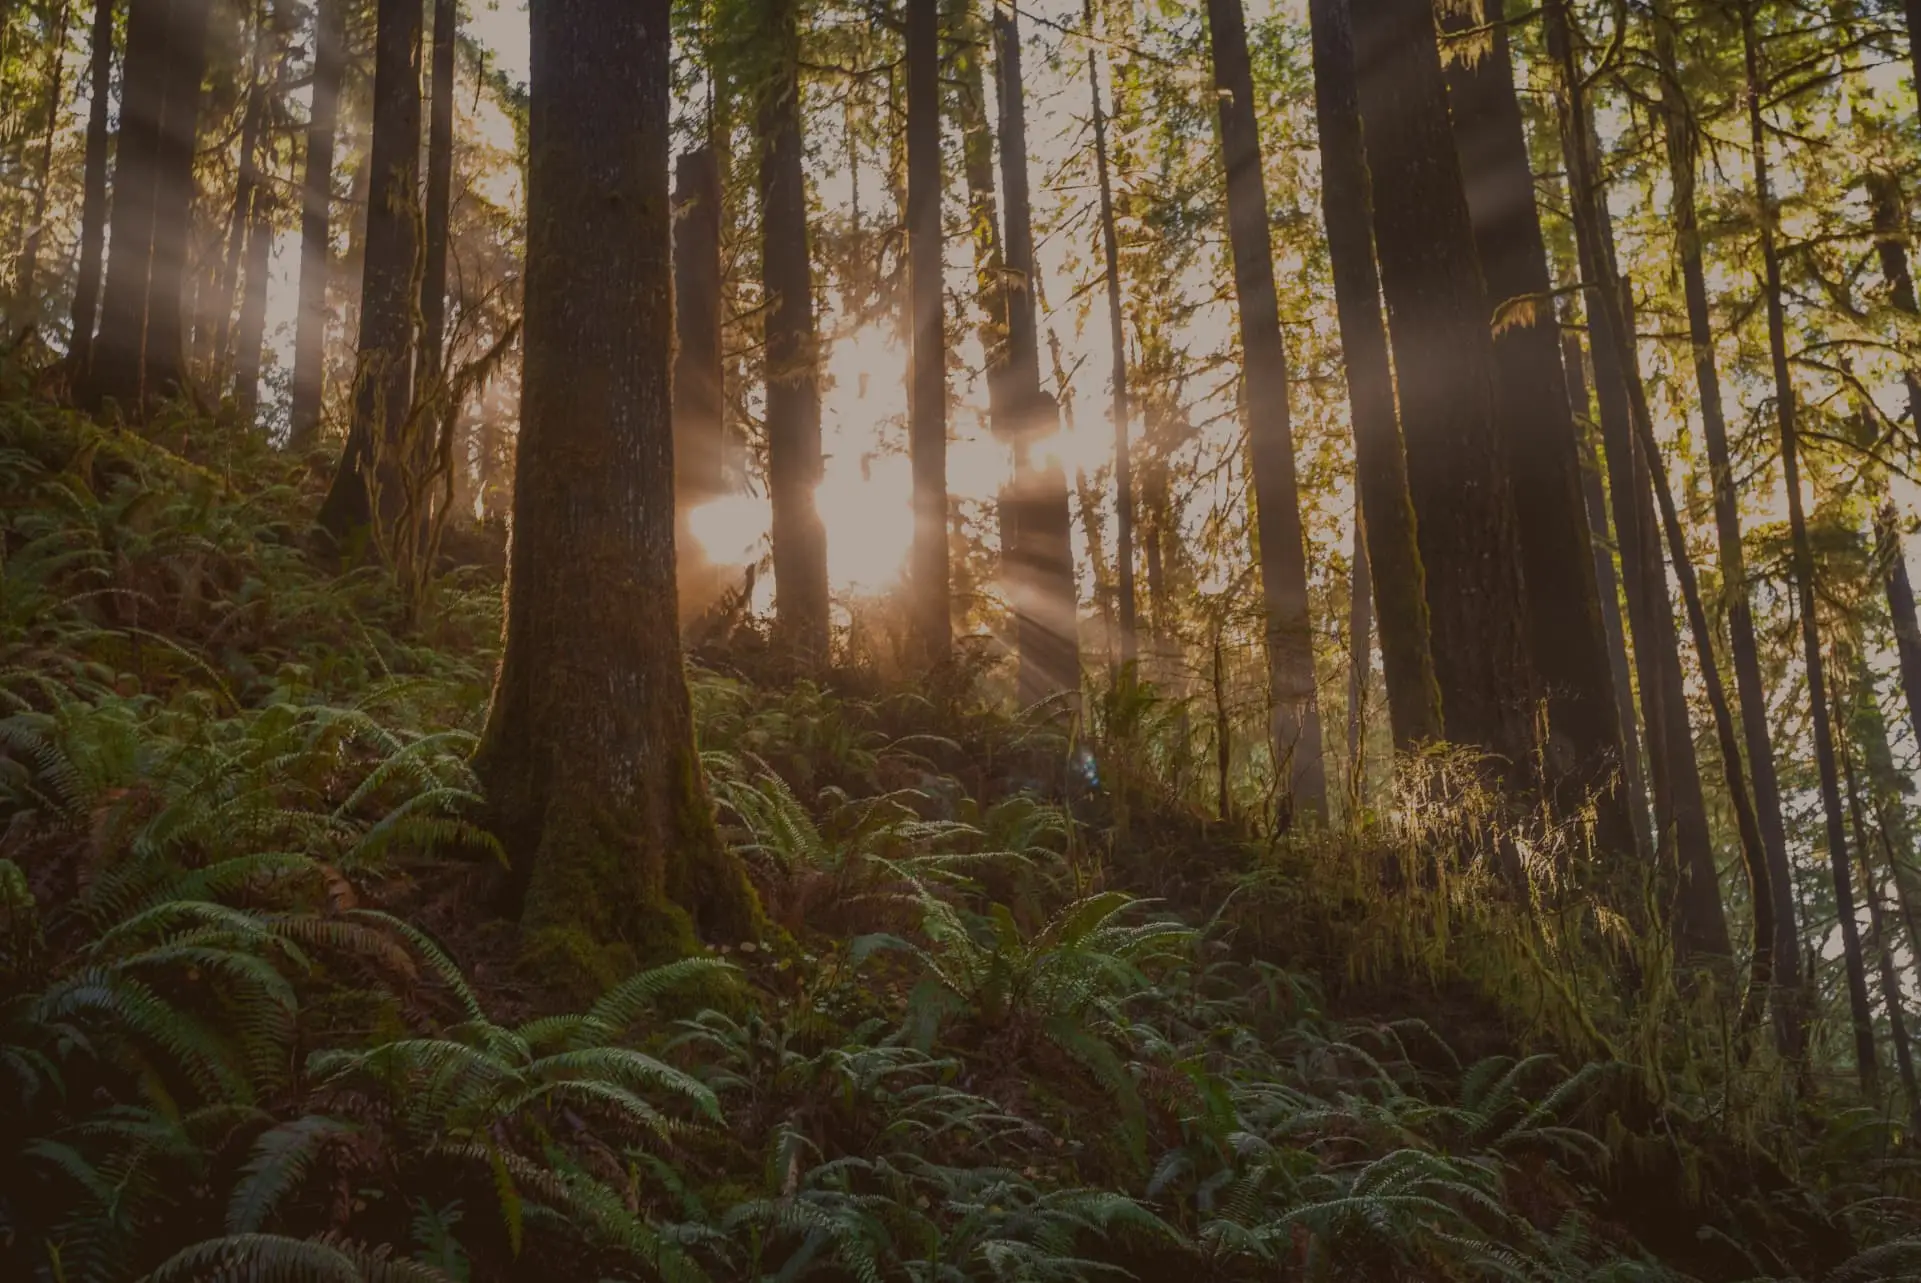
{"x": 593, "y": 780}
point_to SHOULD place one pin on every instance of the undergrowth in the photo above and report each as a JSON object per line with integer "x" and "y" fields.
{"x": 1031, "y": 1018}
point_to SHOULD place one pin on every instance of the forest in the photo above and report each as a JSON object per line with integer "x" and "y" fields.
{"x": 959, "y": 641}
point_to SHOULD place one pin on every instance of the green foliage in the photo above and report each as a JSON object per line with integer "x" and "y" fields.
{"x": 232, "y": 1047}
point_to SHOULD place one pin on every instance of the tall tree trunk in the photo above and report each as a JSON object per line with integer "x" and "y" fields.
{"x": 253, "y": 312}
{"x": 1444, "y": 361}
{"x": 1878, "y": 941}
{"x": 316, "y": 223}
{"x": 1803, "y": 562}
{"x": 213, "y": 326}
{"x": 1125, "y": 607}
{"x": 1040, "y": 526}
{"x": 1608, "y": 592}
{"x": 43, "y": 170}
{"x": 165, "y": 351}
{"x": 698, "y": 374}
{"x": 93, "y": 207}
{"x": 1685, "y": 854}
{"x": 137, "y": 356}
{"x": 793, "y": 374}
{"x": 440, "y": 180}
{"x": 1295, "y": 711}
{"x": 1542, "y": 454}
{"x": 1380, "y": 466}
{"x": 389, "y": 290}
{"x": 927, "y": 333}
{"x": 1360, "y": 661}
{"x": 1888, "y": 788}
{"x": 593, "y": 782}
{"x": 1890, "y": 228}
{"x": 1678, "y": 121}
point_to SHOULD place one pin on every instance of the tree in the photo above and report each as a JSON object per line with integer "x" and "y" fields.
{"x": 1608, "y": 589}
{"x": 253, "y": 310}
{"x": 792, "y": 349}
{"x": 137, "y": 357}
{"x": 440, "y": 175}
{"x": 593, "y": 782}
{"x": 1437, "y": 315}
{"x": 383, "y": 368}
{"x": 1117, "y": 339}
{"x": 927, "y": 333}
{"x": 698, "y": 390}
{"x": 1684, "y": 862}
{"x": 213, "y": 326}
{"x": 1680, "y": 128}
{"x": 1037, "y": 522}
{"x": 1295, "y": 709}
{"x": 316, "y": 222}
{"x": 1803, "y": 566}
{"x": 1539, "y": 447}
{"x": 25, "y": 299}
{"x": 93, "y": 210}
{"x": 1392, "y": 551}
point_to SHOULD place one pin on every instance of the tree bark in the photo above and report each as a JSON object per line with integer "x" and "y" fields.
{"x": 1803, "y": 563}
{"x": 1360, "y": 662}
{"x": 792, "y": 353}
{"x": 698, "y": 374}
{"x": 1686, "y": 875}
{"x": 1584, "y": 756}
{"x": 927, "y": 333}
{"x": 1295, "y": 709}
{"x": 1380, "y": 466}
{"x": 588, "y": 759}
{"x": 253, "y": 313}
{"x": 1678, "y": 121}
{"x": 1125, "y": 606}
{"x": 389, "y": 290}
{"x": 1878, "y": 933}
{"x": 137, "y": 356}
{"x": 316, "y": 223}
{"x": 1608, "y": 592}
{"x": 1444, "y": 360}
{"x": 440, "y": 178}
{"x": 93, "y": 207}
{"x": 1040, "y": 525}
{"x": 213, "y": 334}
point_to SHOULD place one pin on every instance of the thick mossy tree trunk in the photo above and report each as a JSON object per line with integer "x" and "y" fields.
{"x": 1890, "y": 237}
{"x": 792, "y": 350}
{"x": 1125, "y": 604}
{"x": 1295, "y": 710}
{"x": 440, "y": 180}
{"x": 1437, "y": 314}
{"x": 1387, "y": 514}
{"x": 1038, "y": 546}
{"x": 1678, "y": 122}
{"x": 1607, "y": 588}
{"x": 1542, "y": 453}
{"x": 93, "y": 203}
{"x": 1786, "y": 412}
{"x": 588, "y": 759}
{"x": 137, "y": 357}
{"x": 1684, "y": 860}
{"x": 928, "y": 585}
{"x": 699, "y": 447}
{"x": 384, "y": 364}
{"x": 316, "y": 223}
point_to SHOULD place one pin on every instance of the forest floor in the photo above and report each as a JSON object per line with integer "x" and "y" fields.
{"x": 258, "y": 1021}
